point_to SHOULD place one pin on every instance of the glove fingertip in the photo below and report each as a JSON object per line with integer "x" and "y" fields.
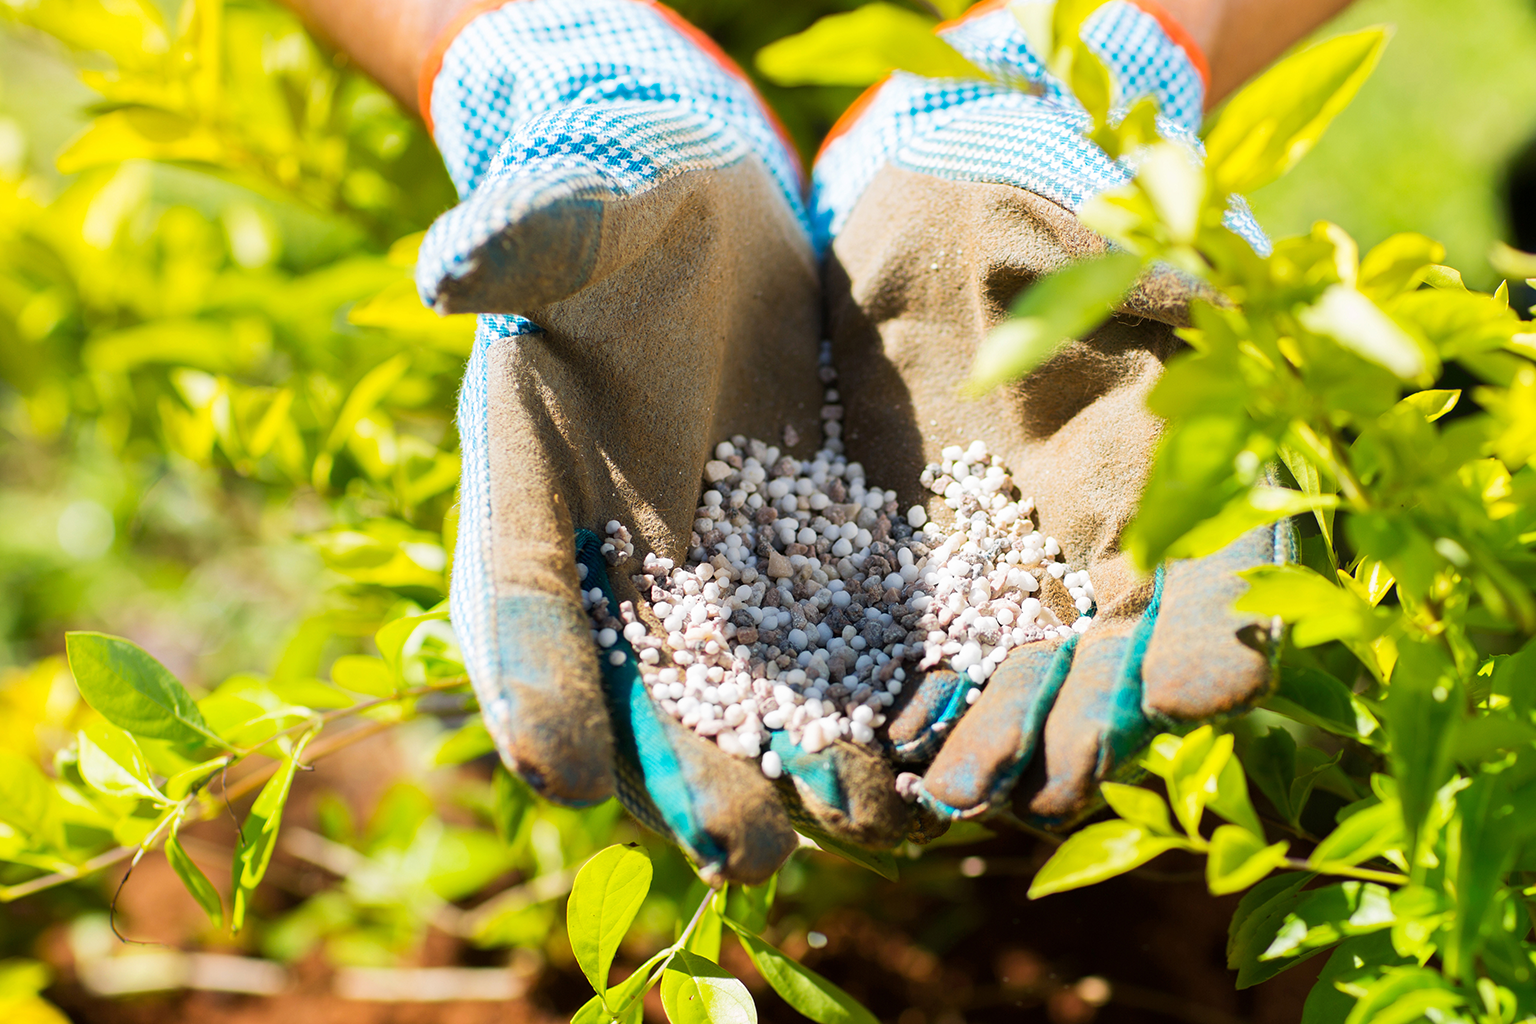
{"x": 846, "y": 790}
{"x": 990, "y": 748}
{"x": 544, "y": 709}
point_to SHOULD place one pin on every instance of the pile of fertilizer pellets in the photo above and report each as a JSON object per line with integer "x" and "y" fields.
{"x": 807, "y": 596}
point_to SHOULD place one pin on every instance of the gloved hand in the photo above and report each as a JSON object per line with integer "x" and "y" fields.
{"x": 941, "y": 201}
{"x": 632, "y": 230}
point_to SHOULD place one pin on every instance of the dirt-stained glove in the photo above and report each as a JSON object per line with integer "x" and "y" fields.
{"x": 632, "y": 230}
{"x": 942, "y": 200}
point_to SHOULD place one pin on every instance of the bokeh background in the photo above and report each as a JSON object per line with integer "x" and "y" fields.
{"x": 225, "y": 432}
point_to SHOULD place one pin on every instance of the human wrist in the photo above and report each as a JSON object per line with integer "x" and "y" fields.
{"x": 388, "y": 39}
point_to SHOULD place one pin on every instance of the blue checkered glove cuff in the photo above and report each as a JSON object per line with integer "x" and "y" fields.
{"x": 533, "y": 59}
{"x": 982, "y": 132}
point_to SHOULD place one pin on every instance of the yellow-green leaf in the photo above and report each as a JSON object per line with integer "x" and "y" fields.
{"x": 862, "y": 46}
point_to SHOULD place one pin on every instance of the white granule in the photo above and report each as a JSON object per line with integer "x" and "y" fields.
{"x": 807, "y": 596}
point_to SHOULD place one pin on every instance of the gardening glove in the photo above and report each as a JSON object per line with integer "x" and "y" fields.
{"x": 941, "y": 201}
{"x": 631, "y": 231}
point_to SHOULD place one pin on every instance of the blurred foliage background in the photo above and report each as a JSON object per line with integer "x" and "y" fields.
{"x": 226, "y": 433}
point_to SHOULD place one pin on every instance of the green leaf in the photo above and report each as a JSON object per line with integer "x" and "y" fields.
{"x": 593, "y": 1011}
{"x": 807, "y": 992}
{"x": 1171, "y": 177}
{"x": 197, "y": 343}
{"x": 1238, "y": 859}
{"x": 1051, "y": 312}
{"x": 1511, "y": 262}
{"x": 1350, "y": 318}
{"x": 111, "y": 763}
{"x": 1497, "y": 815}
{"x": 623, "y": 998}
{"x": 398, "y": 308}
{"x": 861, "y": 47}
{"x": 362, "y": 673}
{"x": 1403, "y": 995}
{"x": 512, "y": 801}
{"x": 1317, "y": 610}
{"x": 1329, "y": 914}
{"x": 469, "y": 741}
{"x": 705, "y": 938}
{"x": 1270, "y": 761}
{"x": 1139, "y": 807}
{"x": 1397, "y": 264}
{"x": 881, "y": 862}
{"x": 604, "y": 900}
{"x": 695, "y": 990}
{"x": 1310, "y": 480}
{"x": 1432, "y": 404}
{"x": 1193, "y": 477}
{"x": 141, "y": 133}
{"x": 1191, "y": 772}
{"x": 193, "y": 878}
{"x": 1258, "y": 506}
{"x": 1318, "y": 699}
{"x": 1256, "y": 922}
{"x": 1278, "y": 117}
{"x": 135, "y": 692}
{"x": 1231, "y": 799}
{"x": 183, "y": 782}
{"x": 1365, "y": 834}
{"x": 748, "y": 905}
{"x": 1098, "y": 852}
{"x": 1421, "y": 712}
{"x": 392, "y": 636}
{"x": 1355, "y": 964}
{"x": 27, "y": 796}
{"x": 258, "y": 834}
{"x": 22, "y": 978}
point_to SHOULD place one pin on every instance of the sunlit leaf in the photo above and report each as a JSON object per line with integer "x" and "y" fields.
{"x": 361, "y": 673}
{"x": 1138, "y": 806}
{"x": 1324, "y": 916}
{"x": 1098, "y": 852}
{"x": 1051, "y": 312}
{"x": 1238, "y": 859}
{"x": 860, "y": 47}
{"x": 1258, "y": 506}
{"x": 695, "y": 990}
{"x": 141, "y": 133}
{"x": 134, "y": 691}
{"x": 606, "y": 897}
{"x": 1358, "y": 324}
{"x": 196, "y": 882}
{"x": 258, "y": 835}
{"x": 1361, "y": 836}
{"x": 1278, "y": 117}
{"x": 111, "y": 762}
{"x": 807, "y": 992}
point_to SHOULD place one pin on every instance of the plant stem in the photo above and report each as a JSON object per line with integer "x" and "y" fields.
{"x": 1367, "y": 874}
{"x": 368, "y": 705}
{"x": 672, "y": 951}
{"x": 248, "y": 783}
{"x": 235, "y": 792}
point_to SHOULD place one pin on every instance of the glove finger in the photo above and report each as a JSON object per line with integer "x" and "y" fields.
{"x": 929, "y": 710}
{"x": 990, "y": 747}
{"x": 545, "y": 223}
{"x": 1096, "y": 725}
{"x": 1205, "y": 659}
{"x": 846, "y": 790}
{"x": 515, "y": 603}
{"x": 720, "y": 809}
